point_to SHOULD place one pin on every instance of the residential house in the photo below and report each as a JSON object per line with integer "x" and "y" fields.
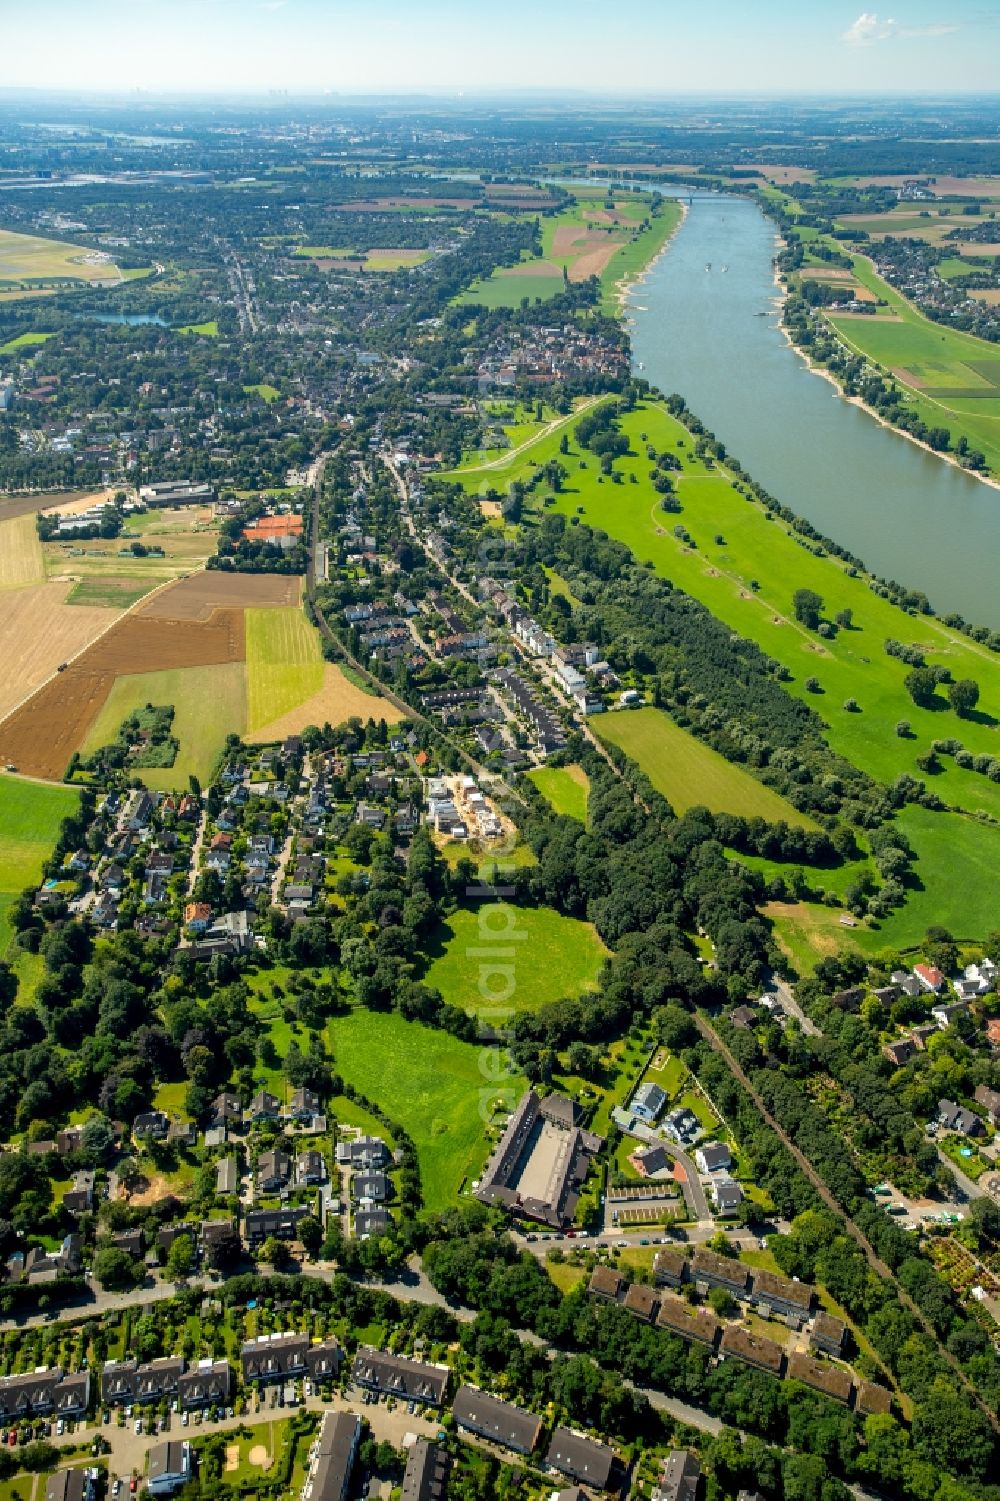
{"x": 727, "y": 1195}
{"x": 331, "y": 1457}
{"x": 40, "y": 1393}
{"x": 712, "y": 1157}
{"x": 945, "y": 1015}
{"x": 781, "y": 1297}
{"x": 207, "y": 1384}
{"x": 990, "y": 1101}
{"x": 280, "y": 1224}
{"x": 305, "y": 1103}
{"x": 929, "y": 977}
{"x": 170, "y": 1467}
{"x": 264, "y": 1106}
{"x": 647, "y": 1102}
{"x": 426, "y": 1474}
{"x": 274, "y": 1171}
{"x": 151, "y": 1125}
{"x": 500, "y": 1422}
{"x": 274, "y": 1357}
{"x": 679, "y": 1478}
{"x": 900, "y": 1052}
{"x": 197, "y": 916}
{"x": 226, "y": 1110}
{"x": 310, "y": 1169}
{"x": 399, "y": 1376}
{"x": 828, "y": 1334}
{"x": 669, "y": 1267}
{"x": 956, "y": 1118}
{"x": 580, "y": 1458}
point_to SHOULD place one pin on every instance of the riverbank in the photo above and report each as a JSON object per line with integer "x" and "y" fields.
{"x": 632, "y": 280}
{"x": 815, "y": 368}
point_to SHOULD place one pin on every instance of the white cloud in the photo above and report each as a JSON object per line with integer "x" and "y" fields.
{"x": 868, "y": 28}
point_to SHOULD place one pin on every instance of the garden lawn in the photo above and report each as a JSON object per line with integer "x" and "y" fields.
{"x": 545, "y": 958}
{"x": 440, "y": 1090}
{"x": 209, "y": 702}
{"x": 284, "y": 664}
{"x": 565, "y": 787}
{"x": 690, "y": 774}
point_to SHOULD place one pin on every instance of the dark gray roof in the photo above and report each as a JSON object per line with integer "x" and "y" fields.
{"x": 580, "y": 1458}
{"x": 500, "y": 1421}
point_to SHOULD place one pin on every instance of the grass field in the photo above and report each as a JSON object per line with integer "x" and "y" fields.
{"x": 30, "y": 258}
{"x": 584, "y": 239}
{"x": 284, "y": 664}
{"x": 208, "y": 330}
{"x": 25, "y": 341}
{"x": 940, "y": 367}
{"x": 440, "y": 1090}
{"x": 368, "y": 260}
{"x": 30, "y": 816}
{"x": 264, "y": 391}
{"x": 747, "y": 579}
{"x": 210, "y": 703}
{"x": 184, "y": 536}
{"x": 113, "y": 591}
{"x": 690, "y": 774}
{"x": 565, "y": 787}
{"x": 477, "y": 966}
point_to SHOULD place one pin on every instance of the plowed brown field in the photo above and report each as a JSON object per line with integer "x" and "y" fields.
{"x": 41, "y": 736}
{"x": 195, "y": 597}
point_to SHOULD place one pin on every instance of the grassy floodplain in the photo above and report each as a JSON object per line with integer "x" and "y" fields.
{"x": 440, "y": 1090}
{"x": 582, "y": 240}
{"x": 747, "y": 579}
{"x": 689, "y": 773}
{"x": 552, "y": 957}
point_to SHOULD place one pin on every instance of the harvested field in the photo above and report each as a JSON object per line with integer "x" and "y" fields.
{"x": 72, "y": 505}
{"x": 337, "y": 701}
{"x": 42, "y": 735}
{"x": 38, "y": 630}
{"x": 989, "y": 294}
{"x": 21, "y": 561}
{"x": 377, "y": 205}
{"x": 782, "y": 174}
{"x": 196, "y": 597}
{"x": 984, "y": 247}
{"x": 591, "y": 249}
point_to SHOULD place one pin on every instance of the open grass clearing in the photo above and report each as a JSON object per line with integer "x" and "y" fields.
{"x": 441, "y": 1091}
{"x": 338, "y": 700}
{"x": 30, "y": 816}
{"x": 690, "y": 774}
{"x": 25, "y": 341}
{"x": 565, "y": 787}
{"x": 32, "y": 258}
{"x": 503, "y": 958}
{"x": 209, "y": 704}
{"x": 112, "y": 591}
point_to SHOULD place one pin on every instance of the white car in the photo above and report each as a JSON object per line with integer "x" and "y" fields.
{"x": 184, "y": 1419}
{"x": 138, "y": 1425}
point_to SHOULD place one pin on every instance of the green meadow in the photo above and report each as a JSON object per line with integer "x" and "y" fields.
{"x": 953, "y": 377}
{"x": 546, "y": 957}
{"x": 440, "y": 1090}
{"x": 565, "y": 787}
{"x": 30, "y": 816}
{"x": 745, "y": 567}
{"x": 690, "y": 774}
{"x": 209, "y": 704}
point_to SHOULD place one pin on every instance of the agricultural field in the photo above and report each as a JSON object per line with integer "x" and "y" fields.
{"x": 29, "y": 260}
{"x": 585, "y": 239}
{"x": 30, "y": 816}
{"x": 432, "y": 1084}
{"x": 209, "y": 703}
{"x": 331, "y": 258}
{"x": 290, "y": 686}
{"x": 21, "y": 561}
{"x": 565, "y": 787}
{"x": 545, "y": 958}
{"x": 690, "y": 774}
{"x": 38, "y": 630}
{"x": 954, "y": 377}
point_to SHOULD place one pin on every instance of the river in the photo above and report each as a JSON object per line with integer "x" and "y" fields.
{"x": 715, "y": 337}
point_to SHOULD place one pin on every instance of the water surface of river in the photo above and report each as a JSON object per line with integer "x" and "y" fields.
{"x": 714, "y": 335}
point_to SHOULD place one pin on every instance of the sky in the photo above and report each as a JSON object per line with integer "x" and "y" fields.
{"x": 637, "y": 46}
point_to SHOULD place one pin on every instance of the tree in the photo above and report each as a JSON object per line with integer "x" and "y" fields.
{"x": 311, "y": 1233}
{"x": 812, "y": 685}
{"x": 115, "y": 1269}
{"x": 903, "y": 729}
{"x": 180, "y": 1257}
{"x": 808, "y": 606}
{"x": 963, "y": 696}
{"x": 920, "y": 684}
{"x": 844, "y": 619}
